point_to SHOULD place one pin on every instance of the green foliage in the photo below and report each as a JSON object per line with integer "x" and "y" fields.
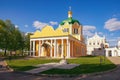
{"x": 11, "y": 38}
{"x": 27, "y": 41}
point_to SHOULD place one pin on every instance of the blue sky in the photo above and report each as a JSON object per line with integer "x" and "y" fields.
{"x": 102, "y": 16}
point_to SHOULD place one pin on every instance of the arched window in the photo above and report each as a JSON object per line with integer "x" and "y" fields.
{"x": 75, "y": 31}
{"x": 98, "y": 43}
{"x": 90, "y": 43}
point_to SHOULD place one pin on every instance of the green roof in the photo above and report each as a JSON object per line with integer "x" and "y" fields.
{"x": 70, "y": 21}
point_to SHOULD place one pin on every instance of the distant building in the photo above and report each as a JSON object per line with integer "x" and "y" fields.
{"x": 65, "y": 41}
{"x": 96, "y": 45}
{"x": 113, "y": 51}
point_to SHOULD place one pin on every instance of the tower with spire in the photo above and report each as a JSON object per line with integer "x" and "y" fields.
{"x": 72, "y": 26}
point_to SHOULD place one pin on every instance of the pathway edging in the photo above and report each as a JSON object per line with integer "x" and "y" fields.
{"x": 68, "y": 75}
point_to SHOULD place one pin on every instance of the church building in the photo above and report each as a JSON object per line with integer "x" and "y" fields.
{"x": 96, "y": 45}
{"x": 65, "y": 41}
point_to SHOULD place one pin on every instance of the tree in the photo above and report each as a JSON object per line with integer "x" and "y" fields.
{"x": 27, "y": 41}
{"x": 11, "y": 38}
{"x": 4, "y": 35}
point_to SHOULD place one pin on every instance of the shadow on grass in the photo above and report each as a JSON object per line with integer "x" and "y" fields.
{"x": 15, "y": 57}
{"x": 82, "y": 69}
{"x": 22, "y": 68}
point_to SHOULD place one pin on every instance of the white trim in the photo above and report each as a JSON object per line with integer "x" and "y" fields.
{"x": 34, "y": 39}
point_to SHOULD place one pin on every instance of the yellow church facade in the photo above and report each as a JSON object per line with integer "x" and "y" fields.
{"x": 65, "y": 41}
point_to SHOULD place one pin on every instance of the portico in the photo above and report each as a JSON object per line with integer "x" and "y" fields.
{"x": 50, "y": 47}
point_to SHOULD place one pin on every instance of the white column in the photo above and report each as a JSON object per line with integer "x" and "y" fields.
{"x": 68, "y": 48}
{"x": 55, "y": 48}
{"x": 30, "y": 48}
{"x": 72, "y": 48}
{"x": 113, "y": 54}
{"x": 33, "y": 48}
{"x": 42, "y": 49}
{"x": 51, "y": 49}
{"x": 39, "y": 47}
{"x": 62, "y": 48}
{"x": 106, "y": 53}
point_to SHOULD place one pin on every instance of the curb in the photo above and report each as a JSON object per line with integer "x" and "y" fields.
{"x": 68, "y": 75}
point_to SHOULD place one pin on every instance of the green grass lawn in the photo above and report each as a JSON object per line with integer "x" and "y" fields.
{"x": 24, "y": 64}
{"x": 87, "y": 65}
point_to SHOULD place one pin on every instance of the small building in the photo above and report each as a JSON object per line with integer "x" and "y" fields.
{"x": 113, "y": 51}
{"x": 65, "y": 41}
{"x": 96, "y": 45}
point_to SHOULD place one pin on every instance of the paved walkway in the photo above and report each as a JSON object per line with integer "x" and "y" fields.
{"x": 115, "y": 60}
{"x": 115, "y": 75}
{"x": 47, "y": 66}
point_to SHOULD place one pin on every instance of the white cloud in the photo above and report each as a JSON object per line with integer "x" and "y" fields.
{"x": 87, "y": 27}
{"x": 16, "y": 26}
{"x": 100, "y": 33}
{"x": 39, "y": 25}
{"x": 112, "y": 24}
{"x": 88, "y": 30}
{"x": 53, "y": 23}
{"x": 88, "y": 33}
{"x": 112, "y": 40}
{"x": 26, "y": 25}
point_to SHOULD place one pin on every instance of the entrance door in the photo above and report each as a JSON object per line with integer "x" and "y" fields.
{"x": 46, "y": 50}
{"x": 110, "y": 53}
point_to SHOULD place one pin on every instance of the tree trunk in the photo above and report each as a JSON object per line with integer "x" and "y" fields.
{"x": 22, "y": 52}
{"x": 5, "y": 52}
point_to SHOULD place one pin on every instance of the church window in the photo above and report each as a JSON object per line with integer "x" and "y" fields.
{"x": 99, "y": 48}
{"x": 98, "y": 43}
{"x": 75, "y": 31}
{"x": 66, "y": 30}
{"x": 89, "y": 43}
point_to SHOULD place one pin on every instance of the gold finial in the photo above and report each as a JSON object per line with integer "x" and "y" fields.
{"x": 69, "y": 12}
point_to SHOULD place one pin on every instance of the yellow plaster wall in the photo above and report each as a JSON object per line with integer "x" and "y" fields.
{"x": 48, "y": 31}
{"x": 36, "y": 48}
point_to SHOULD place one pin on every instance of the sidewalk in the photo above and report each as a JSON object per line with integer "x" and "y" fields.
{"x": 115, "y": 60}
{"x": 47, "y": 66}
